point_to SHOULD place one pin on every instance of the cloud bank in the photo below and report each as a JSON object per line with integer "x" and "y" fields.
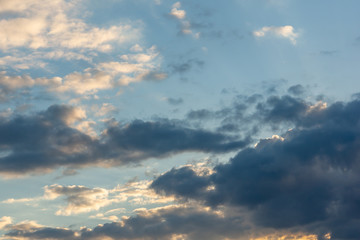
{"x": 48, "y": 139}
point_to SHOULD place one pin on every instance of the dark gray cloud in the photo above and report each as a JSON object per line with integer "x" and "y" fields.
{"x": 161, "y": 224}
{"x": 160, "y": 139}
{"x": 46, "y": 140}
{"x": 42, "y": 233}
{"x": 296, "y": 90}
{"x": 194, "y": 223}
{"x": 281, "y": 109}
{"x": 307, "y": 179}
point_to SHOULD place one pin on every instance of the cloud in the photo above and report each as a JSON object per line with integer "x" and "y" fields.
{"x": 90, "y": 81}
{"x": 49, "y": 139}
{"x": 180, "y": 15}
{"x": 176, "y": 12}
{"x": 10, "y": 84}
{"x": 190, "y": 222}
{"x": 159, "y": 139}
{"x": 175, "y": 101}
{"x": 297, "y": 90}
{"x": 105, "y": 109}
{"x": 283, "y": 32}
{"x": 304, "y": 180}
{"x": 186, "y": 66}
{"x": 103, "y": 76}
{"x": 50, "y": 24}
{"x": 79, "y": 199}
{"x": 4, "y": 221}
{"x": 32, "y": 230}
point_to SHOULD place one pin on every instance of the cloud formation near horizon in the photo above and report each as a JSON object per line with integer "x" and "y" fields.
{"x": 305, "y": 179}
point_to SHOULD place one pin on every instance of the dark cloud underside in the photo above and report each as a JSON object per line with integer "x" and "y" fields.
{"x": 309, "y": 180}
{"x": 45, "y": 141}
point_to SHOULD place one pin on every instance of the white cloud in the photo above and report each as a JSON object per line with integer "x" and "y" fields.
{"x": 283, "y": 31}
{"x": 105, "y": 75}
{"x": 181, "y": 16}
{"x": 16, "y": 82}
{"x": 79, "y": 199}
{"x": 178, "y": 13}
{"x": 139, "y": 193}
{"x": 49, "y": 24}
{"x": 136, "y": 48}
{"x": 88, "y": 82}
{"x": 4, "y": 221}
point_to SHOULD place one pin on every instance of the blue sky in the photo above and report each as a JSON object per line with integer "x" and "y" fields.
{"x": 157, "y": 119}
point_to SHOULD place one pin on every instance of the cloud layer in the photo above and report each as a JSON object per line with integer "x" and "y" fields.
{"x": 48, "y": 139}
{"x": 305, "y": 179}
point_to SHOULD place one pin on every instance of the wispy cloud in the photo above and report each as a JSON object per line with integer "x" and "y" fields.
{"x": 287, "y": 32}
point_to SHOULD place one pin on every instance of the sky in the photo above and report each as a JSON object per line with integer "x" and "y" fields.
{"x": 181, "y": 120}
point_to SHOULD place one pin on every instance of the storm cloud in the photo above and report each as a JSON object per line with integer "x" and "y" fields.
{"x": 306, "y": 179}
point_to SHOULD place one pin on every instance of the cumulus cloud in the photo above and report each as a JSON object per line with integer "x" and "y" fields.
{"x": 282, "y": 31}
{"x": 171, "y": 222}
{"x": 190, "y": 222}
{"x": 51, "y": 30}
{"x": 10, "y": 84}
{"x": 49, "y": 139}
{"x": 50, "y": 24}
{"x": 176, "y": 12}
{"x": 90, "y": 81}
{"x": 304, "y": 180}
{"x": 4, "y": 221}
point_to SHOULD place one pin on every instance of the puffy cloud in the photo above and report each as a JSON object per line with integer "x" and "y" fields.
{"x": 16, "y": 82}
{"x": 4, "y": 221}
{"x": 168, "y": 223}
{"x": 88, "y": 82}
{"x": 171, "y": 222}
{"x": 176, "y": 12}
{"x": 304, "y": 180}
{"x": 48, "y": 24}
{"x": 103, "y": 76}
{"x": 49, "y": 139}
{"x": 283, "y": 31}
